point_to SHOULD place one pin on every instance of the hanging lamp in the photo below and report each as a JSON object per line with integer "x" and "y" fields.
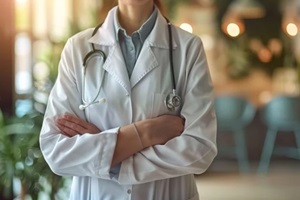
{"x": 247, "y": 9}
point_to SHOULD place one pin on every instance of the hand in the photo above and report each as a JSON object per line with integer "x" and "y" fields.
{"x": 161, "y": 129}
{"x": 70, "y": 125}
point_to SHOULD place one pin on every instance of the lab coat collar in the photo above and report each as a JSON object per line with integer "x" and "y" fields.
{"x": 106, "y": 33}
{"x": 158, "y": 37}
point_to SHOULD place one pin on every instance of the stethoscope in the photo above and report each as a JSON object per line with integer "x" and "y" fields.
{"x": 172, "y": 101}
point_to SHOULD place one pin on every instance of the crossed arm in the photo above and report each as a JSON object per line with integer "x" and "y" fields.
{"x": 141, "y": 134}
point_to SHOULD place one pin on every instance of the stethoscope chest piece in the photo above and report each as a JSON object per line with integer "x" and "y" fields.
{"x": 173, "y": 101}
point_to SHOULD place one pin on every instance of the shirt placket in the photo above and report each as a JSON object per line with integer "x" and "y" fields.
{"x": 130, "y": 54}
{"x": 129, "y": 192}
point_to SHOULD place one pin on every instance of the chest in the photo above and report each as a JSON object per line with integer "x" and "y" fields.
{"x": 141, "y": 96}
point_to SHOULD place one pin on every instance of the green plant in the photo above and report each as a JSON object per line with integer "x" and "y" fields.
{"x": 21, "y": 159}
{"x": 171, "y": 6}
{"x": 238, "y": 61}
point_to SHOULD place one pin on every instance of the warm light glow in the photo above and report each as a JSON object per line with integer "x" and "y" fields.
{"x": 275, "y": 46}
{"x": 22, "y": 14}
{"x": 255, "y": 45}
{"x": 41, "y": 71}
{"x": 23, "y": 78}
{"x": 265, "y": 97}
{"x": 187, "y": 27}
{"x": 21, "y": 1}
{"x": 208, "y": 41}
{"x": 60, "y": 19}
{"x": 40, "y": 23}
{"x": 292, "y": 29}
{"x": 232, "y": 25}
{"x": 233, "y": 30}
{"x": 265, "y": 55}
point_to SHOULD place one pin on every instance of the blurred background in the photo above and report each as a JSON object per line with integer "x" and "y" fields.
{"x": 253, "y": 51}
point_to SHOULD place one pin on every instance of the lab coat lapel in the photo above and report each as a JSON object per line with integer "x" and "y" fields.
{"x": 115, "y": 66}
{"x": 147, "y": 61}
{"x": 144, "y": 65}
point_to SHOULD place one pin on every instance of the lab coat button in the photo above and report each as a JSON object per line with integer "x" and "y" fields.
{"x": 128, "y": 191}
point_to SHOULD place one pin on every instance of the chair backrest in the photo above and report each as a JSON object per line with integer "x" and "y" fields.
{"x": 282, "y": 112}
{"x": 233, "y": 111}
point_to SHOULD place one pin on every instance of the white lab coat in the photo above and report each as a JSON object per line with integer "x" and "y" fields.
{"x": 161, "y": 172}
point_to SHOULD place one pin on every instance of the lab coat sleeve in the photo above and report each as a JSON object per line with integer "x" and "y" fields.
{"x": 195, "y": 149}
{"x": 81, "y": 155}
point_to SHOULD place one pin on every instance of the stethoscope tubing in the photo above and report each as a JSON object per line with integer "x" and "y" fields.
{"x": 86, "y": 60}
{"x": 171, "y": 53}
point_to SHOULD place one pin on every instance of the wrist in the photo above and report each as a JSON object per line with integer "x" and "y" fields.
{"x": 138, "y": 135}
{"x": 144, "y": 134}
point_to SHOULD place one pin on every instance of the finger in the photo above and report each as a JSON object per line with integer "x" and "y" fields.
{"x": 76, "y": 120}
{"x": 92, "y": 129}
{"x": 71, "y": 125}
{"x": 86, "y": 126}
{"x": 66, "y": 131}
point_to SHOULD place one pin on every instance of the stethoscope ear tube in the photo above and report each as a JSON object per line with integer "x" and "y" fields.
{"x": 90, "y": 55}
{"x": 84, "y": 106}
{"x": 172, "y": 101}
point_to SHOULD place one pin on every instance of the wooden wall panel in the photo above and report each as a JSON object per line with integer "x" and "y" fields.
{"x": 7, "y": 37}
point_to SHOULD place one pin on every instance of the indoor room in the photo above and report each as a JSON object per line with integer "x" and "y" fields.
{"x": 241, "y": 57}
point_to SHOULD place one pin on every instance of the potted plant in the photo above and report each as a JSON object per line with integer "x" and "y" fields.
{"x": 21, "y": 161}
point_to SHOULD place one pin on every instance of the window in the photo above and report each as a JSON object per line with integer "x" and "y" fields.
{"x": 42, "y": 27}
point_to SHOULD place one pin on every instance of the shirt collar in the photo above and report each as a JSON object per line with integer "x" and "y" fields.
{"x": 143, "y": 31}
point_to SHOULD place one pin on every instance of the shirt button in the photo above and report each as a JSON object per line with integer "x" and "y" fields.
{"x": 128, "y": 191}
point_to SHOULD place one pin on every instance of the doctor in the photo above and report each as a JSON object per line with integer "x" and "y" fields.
{"x": 110, "y": 128}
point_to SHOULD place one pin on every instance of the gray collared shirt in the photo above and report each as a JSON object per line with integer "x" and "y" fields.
{"x": 131, "y": 46}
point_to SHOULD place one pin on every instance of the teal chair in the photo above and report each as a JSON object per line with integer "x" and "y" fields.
{"x": 234, "y": 114}
{"x": 280, "y": 115}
